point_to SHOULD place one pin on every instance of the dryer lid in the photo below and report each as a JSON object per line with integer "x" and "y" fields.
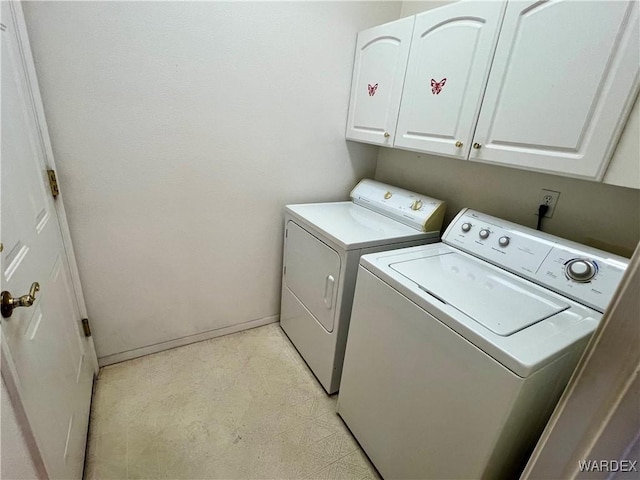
{"x": 352, "y": 227}
{"x": 500, "y": 302}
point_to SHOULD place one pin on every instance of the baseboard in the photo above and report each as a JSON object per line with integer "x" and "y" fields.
{"x": 179, "y": 342}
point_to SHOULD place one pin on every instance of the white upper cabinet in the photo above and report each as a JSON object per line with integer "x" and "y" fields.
{"x": 543, "y": 86}
{"x": 561, "y": 86}
{"x": 376, "y": 87}
{"x": 447, "y": 72}
{"x": 624, "y": 167}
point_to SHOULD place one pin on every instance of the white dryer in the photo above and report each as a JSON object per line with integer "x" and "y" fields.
{"x": 459, "y": 351}
{"x": 322, "y": 246}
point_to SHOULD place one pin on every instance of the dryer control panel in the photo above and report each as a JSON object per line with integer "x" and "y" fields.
{"x": 587, "y": 275}
{"x": 412, "y": 209}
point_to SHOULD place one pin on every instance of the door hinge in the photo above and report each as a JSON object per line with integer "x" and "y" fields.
{"x": 53, "y": 183}
{"x": 85, "y": 327}
{"x": 284, "y": 270}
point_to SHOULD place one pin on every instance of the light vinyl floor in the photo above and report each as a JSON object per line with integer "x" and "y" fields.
{"x": 239, "y": 406}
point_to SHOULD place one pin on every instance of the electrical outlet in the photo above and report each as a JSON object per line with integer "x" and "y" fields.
{"x": 548, "y": 197}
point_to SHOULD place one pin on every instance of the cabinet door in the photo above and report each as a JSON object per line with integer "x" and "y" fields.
{"x": 561, "y": 85}
{"x": 376, "y": 87}
{"x": 448, "y": 67}
{"x": 624, "y": 168}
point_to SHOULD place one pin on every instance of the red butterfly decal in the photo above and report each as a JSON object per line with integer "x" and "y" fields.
{"x": 436, "y": 87}
{"x": 372, "y": 89}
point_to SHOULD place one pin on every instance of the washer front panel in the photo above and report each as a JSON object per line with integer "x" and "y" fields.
{"x": 407, "y": 377}
{"x": 524, "y": 351}
{"x": 416, "y": 394}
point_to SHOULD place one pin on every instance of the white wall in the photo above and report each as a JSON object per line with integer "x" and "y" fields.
{"x": 180, "y": 131}
{"x": 15, "y": 459}
{"x": 604, "y": 216}
{"x": 411, "y": 7}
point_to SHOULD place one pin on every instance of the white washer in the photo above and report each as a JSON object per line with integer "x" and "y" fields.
{"x": 458, "y": 351}
{"x": 322, "y": 246}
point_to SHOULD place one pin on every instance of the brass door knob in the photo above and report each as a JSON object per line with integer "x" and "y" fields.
{"x": 387, "y": 134}
{"x": 9, "y": 302}
{"x": 459, "y": 144}
{"x": 477, "y": 146}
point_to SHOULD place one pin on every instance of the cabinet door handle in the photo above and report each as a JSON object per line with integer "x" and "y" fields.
{"x": 459, "y": 144}
{"x": 477, "y": 146}
{"x": 329, "y": 282}
{"x": 387, "y": 134}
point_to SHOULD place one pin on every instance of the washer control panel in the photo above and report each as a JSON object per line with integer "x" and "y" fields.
{"x": 587, "y": 275}
{"x": 581, "y": 270}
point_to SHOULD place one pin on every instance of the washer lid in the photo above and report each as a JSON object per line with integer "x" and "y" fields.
{"x": 502, "y": 304}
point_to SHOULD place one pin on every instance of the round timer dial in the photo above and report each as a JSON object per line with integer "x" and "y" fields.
{"x": 580, "y": 270}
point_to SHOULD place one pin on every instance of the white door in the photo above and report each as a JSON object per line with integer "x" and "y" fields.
{"x": 47, "y": 357}
{"x": 562, "y": 75}
{"x": 448, "y": 67}
{"x": 376, "y": 86}
{"x": 312, "y": 273}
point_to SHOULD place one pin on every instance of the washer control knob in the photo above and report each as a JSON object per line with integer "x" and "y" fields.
{"x": 417, "y": 205}
{"x": 388, "y": 195}
{"x": 484, "y": 233}
{"x": 580, "y": 270}
{"x": 466, "y": 227}
{"x": 503, "y": 241}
